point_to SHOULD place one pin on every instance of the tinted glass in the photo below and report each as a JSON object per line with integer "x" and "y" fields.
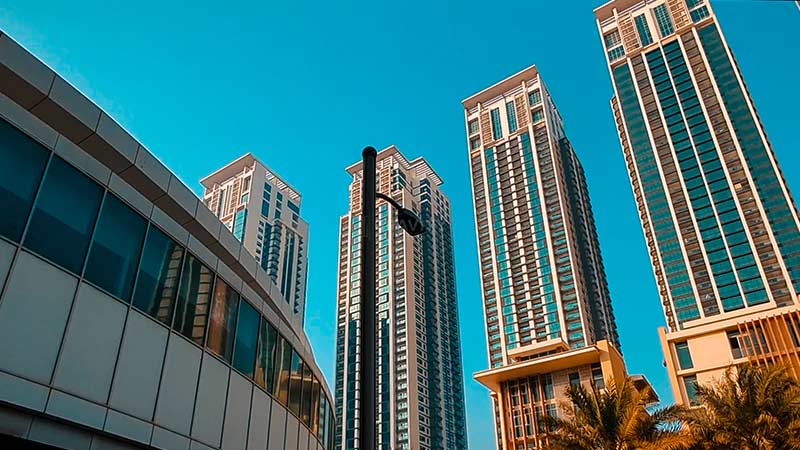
{"x": 295, "y": 384}
{"x": 64, "y": 216}
{"x": 315, "y": 406}
{"x": 323, "y": 406}
{"x": 220, "y": 323}
{"x": 684, "y": 357}
{"x": 305, "y": 405}
{"x": 194, "y": 295}
{"x": 244, "y": 352}
{"x": 23, "y": 161}
{"x": 282, "y": 371}
{"x": 116, "y": 245}
{"x": 159, "y": 272}
{"x": 265, "y": 362}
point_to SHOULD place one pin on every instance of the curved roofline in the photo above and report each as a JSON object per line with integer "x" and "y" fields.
{"x": 45, "y": 106}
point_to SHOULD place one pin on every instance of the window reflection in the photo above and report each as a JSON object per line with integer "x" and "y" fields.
{"x": 282, "y": 371}
{"x": 244, "y": 353}
{"x": 62, "y": 220}
{"x": 116, "y": 244}
{"x": 305, "y": 404}
{"x": 159, "y": 272}
{"x": 220, "y": 323}
{"x": 191, "y": 309}
{"x": 265, "y": 362}
{"x": 295, "y": 384}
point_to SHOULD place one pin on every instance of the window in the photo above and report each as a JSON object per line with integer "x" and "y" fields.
{"x": 497, "y": 131}
{"x": 115, "y": 249}
{"x": 221, "y": 320}
{"x": 23, "y": 164}
{"x": 614, "y": 46}
{"x": 246, "y": 338}
{"x": 473, "y": 126}
{"x": 64, "y": 215}
{"x": 305, "y": 406}
{"x": 645, "y": 38}
{"x": 690, "y": 384}
{"x": 239, "y": 220}
{"x": 265, "y": 357}
{"x": 315, "y": 390}
{"x": 535, "y": 97}
{"x": 295, "y": 383}
{"x": 574, "y": 379}
{"x": 597, "y": 376}
{"x": 512, "y": 117}
{"x": 663, "y": 20}
{"x": 538, "y": 116}
{"x": 159, "y": 272}
{"x": 284, "y": 352}
{"x": 475, "y": 143}
{"x": 684, "y": 356}
{"x": 736, "y": 344}
{"x": 547, "y": 387}
{"x": 194, "y": 294}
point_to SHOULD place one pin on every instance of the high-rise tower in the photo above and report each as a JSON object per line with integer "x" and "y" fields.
{"x": 720, "y": 225}
{"x": 549, "y": 321}
{"x": 420, "y": 390}
{"x": 263, "y": 212}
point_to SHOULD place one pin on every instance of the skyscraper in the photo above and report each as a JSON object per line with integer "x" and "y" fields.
{"x": 420, "y": 389}
{"x": 263, "y": 212}
{"x": 720, "y": 225}
{"x": 549, "y": 321}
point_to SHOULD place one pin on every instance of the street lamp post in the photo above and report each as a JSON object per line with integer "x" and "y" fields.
{"x": 367, "y": 371}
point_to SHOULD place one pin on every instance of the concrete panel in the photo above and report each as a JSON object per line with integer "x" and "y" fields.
{"x": 229, "y": 276}
{"x": 165, "y": 222}
{"x": 27, "y": 122}
{"x": 112, "y": 144}
{"x": 34, "y": 310}
{"x": 24, "y": 78}
{"x": 178, "y": 385}
{"x": 70, "y": 113}
{"x": 302, "y": 440}
{"x": 19, "y": 391}
{"x": 248, "y": 262}
{"x": 59, "y": 435}
{"x": 229, "y": 246}
{"x": 181, "y": 203}
{"x": 141, "y": 357}
{"x": 277, "y": 427}
{"x": 200, "y": 446}
{"x": 147, "y": 173}
{"x": 202, "y": 252}
{"x": 82, "y": 160}
{"x": 76, "y": 409}
{"x": 130, "y": 195}
{"x": 167, "y": 440}
{"x": 259, "y": 420}
{"x": 107, "y": 443}
{"x": 129, "y": 427}
{"x": 91, "y": 344}
{"x": 14, "y": 423}
{"x": 206, "y": 225}
{"x": 237, "y": 413}
{"x": 211, "y": 393}
{"x": 6, "y": 256}
{"x": 292, "y": 430}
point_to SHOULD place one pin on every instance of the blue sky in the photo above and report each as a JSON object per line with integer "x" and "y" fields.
{"x": 305, "y": 85}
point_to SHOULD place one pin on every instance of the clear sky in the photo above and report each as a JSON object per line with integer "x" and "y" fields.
{"x": 305, "y": 85}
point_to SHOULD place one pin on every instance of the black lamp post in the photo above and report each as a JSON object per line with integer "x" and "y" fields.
{"x": 367, "y": 371}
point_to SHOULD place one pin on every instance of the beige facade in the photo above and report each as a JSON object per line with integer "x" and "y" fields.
{"x": 420, "y": 388}
{"x": 721, "y": 227}
{"x": 545, "y": 299}
{"x": 263, "y": 213}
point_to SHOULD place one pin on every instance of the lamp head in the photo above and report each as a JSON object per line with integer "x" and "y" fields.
{"x": 410, "y": 222}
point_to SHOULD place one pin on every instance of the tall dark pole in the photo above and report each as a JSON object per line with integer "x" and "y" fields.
{"x": 367, "y": 373}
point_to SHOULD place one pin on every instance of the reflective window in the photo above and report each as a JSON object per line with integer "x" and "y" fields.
{"x": 265, "y": 362}
{"x": 574, "y": 379}
{"x": 315, "y": 390}
{"x": 222, "y": 319}
{"x": 116, "y": 246}
{"x": 64, "y": 215}
{"x": 20, "y": 173}
{"x": 643, "y": 29}
{"x": 295, "y": 384}
{"x": 684, "y": 357}
{"x": 690, "y": 384}
{"x": 282, "y": 371}
{"x": 305, "y": 406}
{"x": 512, "y": 117}
{"x": 246, "y": 338}
{"x": 159, "y": 272}
{"x": 497, "y": 131}
{"x": 663, "y": 20}
{"x": 194, "y": 296}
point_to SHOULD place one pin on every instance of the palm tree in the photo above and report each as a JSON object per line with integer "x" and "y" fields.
{"x": 750, "y": 408}
{"x": 615, "y": 419}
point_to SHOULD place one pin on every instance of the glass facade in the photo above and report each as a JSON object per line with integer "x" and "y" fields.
{"x": 645, "y": 38}
{"x": 76, "y": 224}
{"x": 663, "y": 20}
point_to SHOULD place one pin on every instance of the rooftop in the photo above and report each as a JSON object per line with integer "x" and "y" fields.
{"x": 420, "y": 167}
{"x": 606, "y": 10}
{"x": 238, "y": 165}
{"x": 500, "y": 87}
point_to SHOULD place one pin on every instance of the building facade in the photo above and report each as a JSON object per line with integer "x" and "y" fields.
{"x": 420, "y": 388}
{"x": 720, "y": 225}
{"x": 263, "y": 213}
{"x": 549, "y": 320}
{"x": 130, "y": 318}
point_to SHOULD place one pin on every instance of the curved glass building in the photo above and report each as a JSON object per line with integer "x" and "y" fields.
{"x": 130, "y": 317}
